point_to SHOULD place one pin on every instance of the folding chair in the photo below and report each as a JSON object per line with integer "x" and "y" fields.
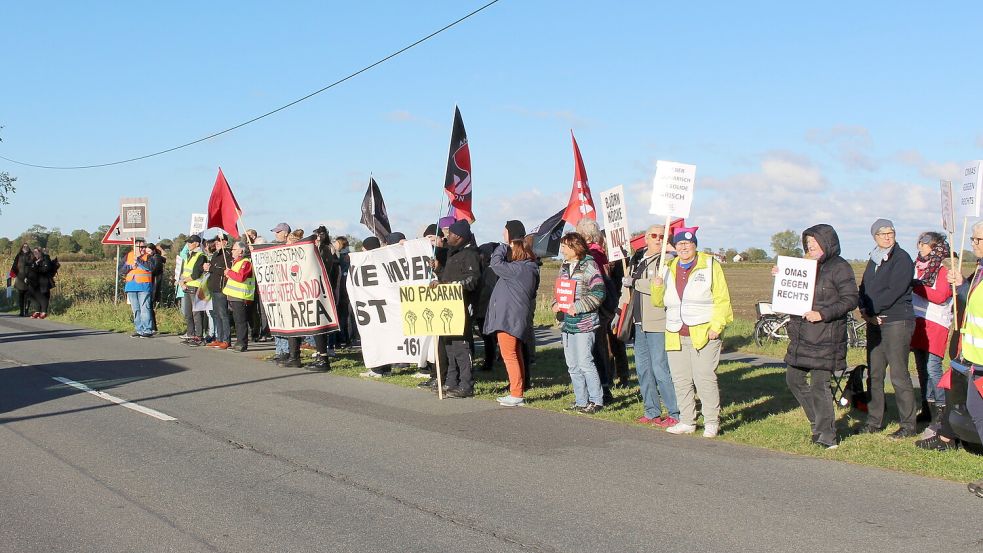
{"x": 847, "y": 386}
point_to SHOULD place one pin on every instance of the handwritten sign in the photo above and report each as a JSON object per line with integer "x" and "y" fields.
{"x": 795, "y": 285}
{"x": 198, "y": 223}
{"x": 672, "y": 189}
{"x": 437, "y": 311}
{"x": 294, "y": 290}
{"x": 969, "y": 190}
{"x": 615, "y": 214}
{"x": 374, "y": 282}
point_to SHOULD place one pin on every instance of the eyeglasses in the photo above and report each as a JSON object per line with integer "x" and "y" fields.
{"x": 976, "y": 240}
{"x": 655, "y": 236}
{"x": 891, "y": 233}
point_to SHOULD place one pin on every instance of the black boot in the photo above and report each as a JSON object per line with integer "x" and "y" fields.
{"x": 321, "y": 364}
{"x": 937, "y": 413}
{"x": 293, "y": 362}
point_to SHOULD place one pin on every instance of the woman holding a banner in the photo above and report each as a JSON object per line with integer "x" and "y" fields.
{"x": 818, "y": 339}
{"x": 693, "y": 291}
{"x": 580, "y": 320}
{"x": 512, "y": 299}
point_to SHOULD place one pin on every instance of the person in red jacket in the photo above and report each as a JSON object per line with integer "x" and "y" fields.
{"x": 931, "y": 299}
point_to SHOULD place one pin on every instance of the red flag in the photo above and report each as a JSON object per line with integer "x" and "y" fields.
{"x": 638, "y": 242}
{"x": 457, "y": 180}
{"x": 581, "y": 204}
{"x": 946, "y": 381}
{"x": 223, "y": 209}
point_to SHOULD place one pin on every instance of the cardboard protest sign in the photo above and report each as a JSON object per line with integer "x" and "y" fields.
{"x": 948, "y": 219}
{"x": 969, "y": 190}
{"x": 134, "y": 216}
{"x": 198, "y": 223}
{"x": 565, "y": 293}
{"x": 795, "y": 285}
{"x": 615, "y": 214}
{"x": 436, "y": 311}
{"x": 672, "y": 189}
{"x": 293, "y": 289}
{"x": 374, "y": 282}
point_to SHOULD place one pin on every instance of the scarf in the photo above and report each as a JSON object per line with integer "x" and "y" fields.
{"x": 929, "y": 265}
{"x": 879, "y": 255}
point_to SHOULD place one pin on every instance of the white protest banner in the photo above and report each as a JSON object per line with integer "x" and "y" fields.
{"x": 795, "y": 285}
{"x": 134, "y": 216}
{"x": 615, "y": 222}
{"x": 672, "y": 189}
{"x": 948, "y": 219}
{"x": 374, "y": 281}
{"x": 293, "y": 289}
{"x": 969, "y": 190}
{"x": 198, "y": 223}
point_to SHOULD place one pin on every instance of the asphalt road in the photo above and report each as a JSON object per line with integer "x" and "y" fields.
{"x": 267, "y": 459}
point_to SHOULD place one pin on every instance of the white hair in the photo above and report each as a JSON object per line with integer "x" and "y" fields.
{"x": 976, "y": 226}
{"x": 590, "y": 231}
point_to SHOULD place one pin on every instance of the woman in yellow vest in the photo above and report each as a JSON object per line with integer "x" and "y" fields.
{"x": 693, "y": 291}
{"x": 240, "y": 290}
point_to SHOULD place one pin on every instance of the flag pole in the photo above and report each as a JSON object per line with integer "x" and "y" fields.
{"x": 116, "y": 284}
{"x": 665, "y": 245}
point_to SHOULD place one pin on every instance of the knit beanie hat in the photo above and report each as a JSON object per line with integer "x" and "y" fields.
{"x": 462, "y": 228}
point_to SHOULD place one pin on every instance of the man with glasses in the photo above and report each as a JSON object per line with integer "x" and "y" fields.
{"x": 651, "y": 362}
{"x": 885, "y": 303}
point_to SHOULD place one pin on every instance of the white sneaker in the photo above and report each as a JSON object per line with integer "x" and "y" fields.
{"x": 509, "y": 401}
{"x": 370, "y": 374}
{"x": 681, "y": 428}
{"x": 711, "y": 429}
{"x": 421, "y": 375}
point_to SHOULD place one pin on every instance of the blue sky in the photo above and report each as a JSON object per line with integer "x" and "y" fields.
{"x": 794, "y": 114}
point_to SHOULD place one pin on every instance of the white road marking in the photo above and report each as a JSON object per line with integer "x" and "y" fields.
{"x": 116, "y": 400}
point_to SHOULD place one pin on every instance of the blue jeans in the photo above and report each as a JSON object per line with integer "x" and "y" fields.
{"x": 654, "y": 379}
{"x": 281, "y": 345}
{"x": 140, "y": 304}
{"x": 580, "y": 363}
{"x": 930, "y": 372}
{"x": 220, "y": 316}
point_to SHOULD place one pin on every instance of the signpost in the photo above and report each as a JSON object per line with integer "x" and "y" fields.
{"x": 114, "y": 237}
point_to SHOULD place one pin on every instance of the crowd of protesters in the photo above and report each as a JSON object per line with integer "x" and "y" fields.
{"x": 668, "y": 299}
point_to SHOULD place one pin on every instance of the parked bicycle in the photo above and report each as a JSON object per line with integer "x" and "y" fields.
{"x": 772, "y": 327}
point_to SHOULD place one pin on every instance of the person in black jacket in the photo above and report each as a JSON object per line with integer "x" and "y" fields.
{"x": 18, "y": 272}
{"x": 215, "y": 267}
{"x": 40, "y": 281}
{"x": 818, "y": 339}
{"x": 885, "y": 303}
{"x": 156, "y": 253}
{"x": 463, "y": 266}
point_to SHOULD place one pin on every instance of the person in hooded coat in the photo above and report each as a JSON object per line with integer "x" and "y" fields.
{"x": 818, "y": 339}
{"x": 18, "y": 272}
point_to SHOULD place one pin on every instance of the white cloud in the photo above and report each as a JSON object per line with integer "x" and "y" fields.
{"x": 949, "y": 170}
{"x": 850, "y": 144}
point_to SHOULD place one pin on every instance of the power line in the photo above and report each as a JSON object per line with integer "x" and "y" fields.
{"x": 267, "y": 114}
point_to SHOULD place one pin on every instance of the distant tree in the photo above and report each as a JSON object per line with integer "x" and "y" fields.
{"x": 6, "y": 246}
{"x": 787, "y": 243}
{"x": 755, "y": 255}
{"x": 7, "y": 188}
{"x": 730, "y": 253}
{"x": 37, "y": 235}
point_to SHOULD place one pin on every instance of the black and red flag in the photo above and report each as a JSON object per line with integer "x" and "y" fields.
{"x": 374, "y": 214}
{"x": 546, "y": 236}
{"x": 457, "y": 181}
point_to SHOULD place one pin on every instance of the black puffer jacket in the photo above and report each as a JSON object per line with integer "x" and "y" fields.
{"x": 823, "y": 345}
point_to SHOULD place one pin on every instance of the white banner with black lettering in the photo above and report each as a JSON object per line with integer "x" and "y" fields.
{"x": 373, "y": 291}
{"x": 293, "y": 289}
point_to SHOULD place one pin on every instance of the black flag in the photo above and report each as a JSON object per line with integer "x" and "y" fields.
{"x": 374, "y": 215}
{"x": 546, "y": 239}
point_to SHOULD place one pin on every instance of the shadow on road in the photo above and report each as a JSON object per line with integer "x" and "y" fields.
{"x": 10, "y": 337}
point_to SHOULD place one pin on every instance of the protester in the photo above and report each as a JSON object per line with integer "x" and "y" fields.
{"x": 931, "y": 301}
{"x": 580, "y": 321}
{"x": 240, "y": 289}
{"x": 651, "y": 361}
{"x": 818, "y": 339}
{"x": 592, "y": 234}
{"x": 488, "y": 280}
{"x": 971, "y": 342}
{"x": 191, "y": 273}
{"x": 281, "y": 346}
{"x": 507, "y": 316}
{"x": 694, "y": 292}
{"x": 156, "y": 253}
{"x": 345, "y": 317}
{"x": 371, "y": 243}
{"x": 18, "y": 272}
{"x": 139, "y": 290}
{"x": 216, "y": 267}
{"x": 40, "y": 281}
{"x": 280, "y": 233}
{"x": 463, "y": 267}
{"x": 885, "y": 303}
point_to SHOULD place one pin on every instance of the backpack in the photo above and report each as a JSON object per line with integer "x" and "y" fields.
{"x": 859, "y": 397}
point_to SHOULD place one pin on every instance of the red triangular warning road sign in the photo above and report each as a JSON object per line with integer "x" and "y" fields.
{"x": 113, "y": 236}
